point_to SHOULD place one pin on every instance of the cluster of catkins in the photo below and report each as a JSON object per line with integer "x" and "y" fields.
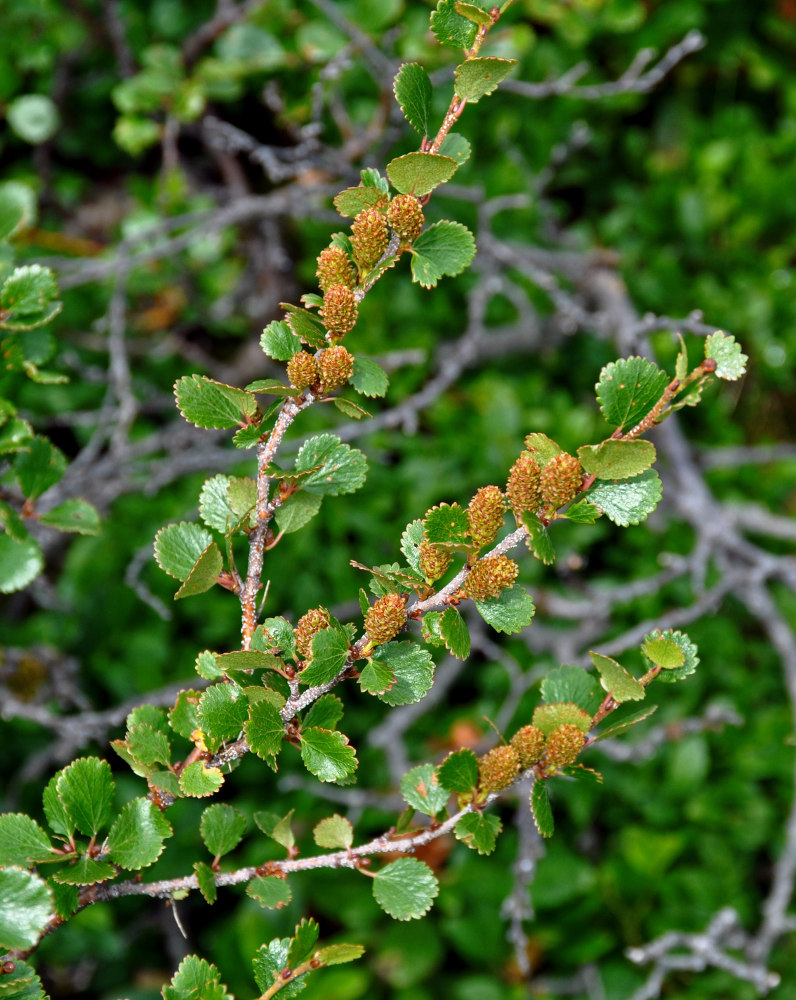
{"x": 542, "y": 479}
{"x": 338, "y": 277}
{"x": 553, "y": 740}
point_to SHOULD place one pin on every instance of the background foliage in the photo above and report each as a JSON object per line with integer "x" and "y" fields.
{"x": 183, "y": 176}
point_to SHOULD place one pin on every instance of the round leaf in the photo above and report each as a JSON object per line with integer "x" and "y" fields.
{"x": 405, "y": 889}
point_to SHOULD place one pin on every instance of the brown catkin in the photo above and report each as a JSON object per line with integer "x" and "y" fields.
{"x": 498, "y": 768}
{"x": 489, "y": 577}
{"x": 315, "y": 620}
{"x": 405, "y": 216}
{"x": 369, "y": 237}
{"x": 335, "y": 366}
{"x": 434, "y": 561}
{"x": 560, "y": 479}
{"x": 334, "y": 268}
{"x": 563, "y": 745}
{"x": 302, "y": 370}
{"x": 529, "y": 744}
{"x": 385, "y": 619}
{"x": 485, "y": 515}
{"x": 339, "y": 310}
{"x": 523, "y": 489}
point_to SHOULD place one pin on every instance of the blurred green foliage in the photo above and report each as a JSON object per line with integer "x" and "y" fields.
{"x": 692, "y": 184}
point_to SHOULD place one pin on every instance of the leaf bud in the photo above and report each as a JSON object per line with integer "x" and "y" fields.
{"x": 489, "y": 577}
{"x": 560, "y": 479}
{"x": 336, "y": 366}
{"x": 405, "y": 216}
{"x": 529, "y": 744}
{"x": 434, "y": 561}
{"x": 302, "y": 370}
{"x": 369, "y": 237}
{"x": 315, "y": 620}
{"x": 563, "y": 745}
{"x": 485, "y": 515}
{"x": 498, "y": 768}
{"x": 523, "y": 488}
{"x": 334, "y": 268}
{"x": 339, "y": 310}
{"x": 385, "y": 619}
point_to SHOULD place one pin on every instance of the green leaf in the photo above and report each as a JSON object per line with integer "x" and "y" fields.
{"x": 330, "y": 649}
{"x": 17, "y": 208}
{"x": 617, "y": 459}
{"x": 450, "y": 28}
{"x": 410, "y": 543}
{"x": 354, "y": 199}
{"x": 455, "y": 633}
{"x": 85, "y": 871}
{"x": 136, "y": 837}
{"x": 582, "y": 512}
{"x": 350, "y": 409}
{"x": 456, "y": 147}
{"x": 184, "y": 716}
{"x": 215, "y": 508}
{"x": 20, "y": 563}
{"x": 730, "y": 361}
{"x": 242, "y": 497}
{"x": 412, "y": 89}
{"x": 305, "y": 324}
{"x": 627, "y": 723}
{"x": 478, "y": 78}
{"x": 298, "y": 510}
{"x": 264, "y": 729}
{"x": 26, "y": 905}
{"x": 23, "y": 841}
{"x": 447, "y": 525}
{"x": 628, "y": 501}
{"x": 198, "y": 780}
{"x": 621, "y": 685}
{"x": 77, "y": 516}
{"x": 303, "y": 944}
{"x": 479, "y": 831}
{"x": 207, "y": 403}
{"x": 86, "y": 789}
{"x": 21, "y": 984}
{"x": 370, "y": 177}
{"x": 277, "y": 827}
{"x": 431, "y": 629}
{"x": 13, "y": 523}
{"x": 334, "y": 468}
{"x": 269, "y": 962}
{"x": 327, "y": 754}
{"x": 249, "y": 436}
{"x": 221, "y": 828}
{"x": 405, "y": 889}
{"x": 422, "y": 790}
{"x": 420, "y": 173}
{"x": 223, "y": 709}
{"x": 581, "y": 773}
{"x": 279, "y": 342}
{"x": 270, "y": 387}
{"x": 542, "y": 447}
{"x": 663, "y": 653}
{"x": 473, "y": 13}
{"x": 33, "y": 117}
{"x": 369, "y": 378}
{"x": 540, "y": 809}
{"x": 204, "y": 574}
{"x": 195, "y": 979}
{"x": 549, "y": 717}
{"x": 338, "y": 954}
{"x": 334, "y": 832}
{"x": 178, "y": 547}
{"x": 58, "y": 819}
{"x": 571, "y": 684}
{"x": 269, "y": 891}
{"x": 376, "y": 678}
{"x": 248, "y": 660}
{"x": 39, "y": 467}
{"x": 538, "y": 539}
{"x": 28, "y": 298}
{"x": 325, "y": 713}
{"x": 511, "y": 612}
{"x": 459, "y": 771}
{"x": 628, "y": 390}
{"x": 207, "y": 666}
{"x": 413, "y": 669}
{"x": 444, "y": 248}
{"x": 206, "y": 880}
{"x": 149, "y": 746}
{"x": 689, "y": 650}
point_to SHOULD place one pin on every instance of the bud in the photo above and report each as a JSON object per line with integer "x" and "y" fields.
{"x": 529, "y": 744}
{"x": 434, "y": 561}
{"x": 369, "y": 236}
{"x": 336, "y": 366}
{"x": 489, "y": 577}
{"x": 405, "y": 216}
{"x": 385, "y": 619}
{"x": 563, "y": 745}
{"x": 302, "y": 370}
{"x": 523, "y": 488}
{"x": 498, "y": 768}
{"x": 334, "y": 268}
{"x": 339, "y": 310}
{"x": 308, "y": 626}
{"x": 560, "y": 479}
{"x": 485, "y": 515}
